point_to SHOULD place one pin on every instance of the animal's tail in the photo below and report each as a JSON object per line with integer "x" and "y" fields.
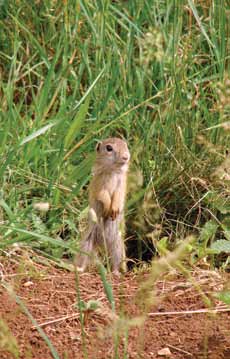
{"x": 86, "y": 250}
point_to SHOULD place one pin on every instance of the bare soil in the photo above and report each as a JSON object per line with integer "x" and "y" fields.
{"x": 50, "y": 295}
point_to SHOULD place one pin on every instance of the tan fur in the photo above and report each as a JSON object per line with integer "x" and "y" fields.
{"x": 107, "y": 192}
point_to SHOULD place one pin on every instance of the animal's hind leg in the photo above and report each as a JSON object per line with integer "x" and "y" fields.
{"x": 118, "y": 255}
{"x": 115, "y": 246}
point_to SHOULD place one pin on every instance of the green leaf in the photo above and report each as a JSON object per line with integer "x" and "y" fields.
{"x": 93, "y": 304}
{"x": 126, "y": 19}
{"x": 225, "y": 225}
{"x": 107, "y": 286}
{"x": 195, "y": 13}
{"x": 222, "y": 245}
{"x": 77, "y": 123}
{"x": 88, "y": 306}
{"x": 31, "y": 235}
{"x": 33, "y": 320}
{"x": 7, "y": 209}
{"x": 207, "y": 232}
{"x": 89, "y": 89}
{"x": 45, "y": 90}
{"x": 223, "y": 207}
{"x": 37, "y": 133}
{"x": 217, "y": 201}
{"x": 224, "y": 297}
{"x": 81, "y": 305}
{"x": 162, "y": 245}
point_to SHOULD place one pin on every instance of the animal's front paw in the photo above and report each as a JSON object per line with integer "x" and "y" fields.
{"x": 114, "y": 212}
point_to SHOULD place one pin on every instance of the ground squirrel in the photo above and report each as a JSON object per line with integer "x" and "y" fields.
{"x": 107, "y": 192}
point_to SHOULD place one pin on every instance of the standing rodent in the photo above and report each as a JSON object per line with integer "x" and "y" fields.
{"x": 107, "y": 192}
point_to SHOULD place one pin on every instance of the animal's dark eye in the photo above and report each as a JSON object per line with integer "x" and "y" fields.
{"x": 109, "y": 148}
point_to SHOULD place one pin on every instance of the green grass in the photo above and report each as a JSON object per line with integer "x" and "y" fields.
{"x": 73, "y": 72}
{"x": 156, "y": 73}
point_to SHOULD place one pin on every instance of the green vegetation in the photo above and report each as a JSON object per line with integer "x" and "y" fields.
{"x": 73, "y": 72}
{"x": 154, "y": 72}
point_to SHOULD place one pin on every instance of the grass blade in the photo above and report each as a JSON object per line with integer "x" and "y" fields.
{"x": 37, "y": 133}
{"x": 77, "y": 123}
{"x": 107, "y": 286}
{"x": 195, "y": 13}
{"x": 90, "y": 88}
{"x": 30, "y": 234}
{"x": 33, "y": 40}
{"x": 32, "y": 319}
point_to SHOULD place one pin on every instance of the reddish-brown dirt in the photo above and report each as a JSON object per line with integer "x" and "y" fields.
{"x": 50, "y": 295}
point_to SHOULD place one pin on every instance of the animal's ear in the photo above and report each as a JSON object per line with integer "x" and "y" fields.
{"x": 98, "y": 145}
